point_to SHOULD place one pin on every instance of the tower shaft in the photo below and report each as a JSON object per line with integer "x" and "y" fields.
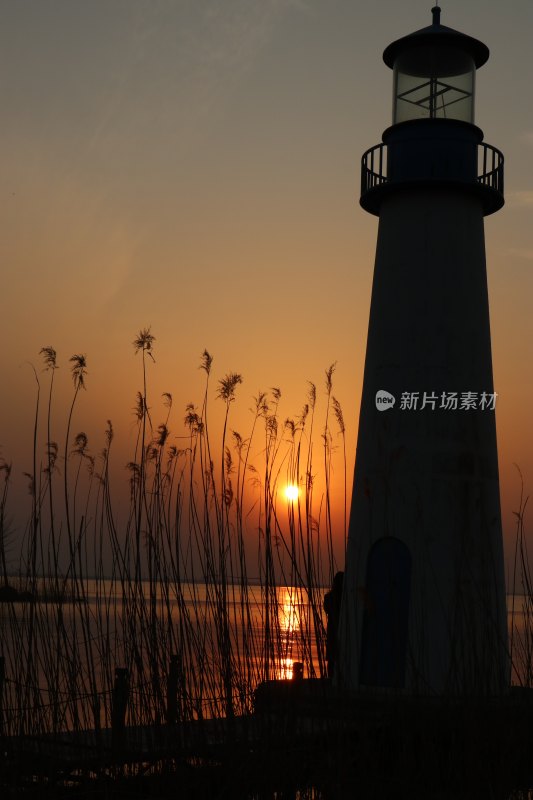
{"x": 430, "y": 617}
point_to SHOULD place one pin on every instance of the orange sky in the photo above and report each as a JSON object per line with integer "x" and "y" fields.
{"x": 194, "y": 166}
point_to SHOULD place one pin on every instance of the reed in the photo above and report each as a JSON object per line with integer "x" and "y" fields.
{"x": 168, "y": 612}
{"x": 176, "y": 593}
{"x": 521, "y": 612}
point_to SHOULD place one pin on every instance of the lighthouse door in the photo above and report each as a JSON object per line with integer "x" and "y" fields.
{"x": 386, "y": 613}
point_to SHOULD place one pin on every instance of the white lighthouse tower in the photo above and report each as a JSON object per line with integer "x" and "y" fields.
{"x": 423, "y": 606}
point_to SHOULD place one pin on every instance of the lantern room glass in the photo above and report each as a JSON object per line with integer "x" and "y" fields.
{"x": 434, "y": 82}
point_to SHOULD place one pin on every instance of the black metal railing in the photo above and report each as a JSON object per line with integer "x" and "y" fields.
{"x": 373, "y": 171}
{"x": 490, "y": 167}
{"x": 374, "y": 167}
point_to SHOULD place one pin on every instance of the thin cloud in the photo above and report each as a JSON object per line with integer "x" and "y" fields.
{"x": 196, "y": 54}
{"x": 524, "y": 253}
{"x": 520, "y": 199}
{"x": 223, "y": 42}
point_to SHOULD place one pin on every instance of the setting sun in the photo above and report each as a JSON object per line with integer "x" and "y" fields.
{"x": 291, "y": 492}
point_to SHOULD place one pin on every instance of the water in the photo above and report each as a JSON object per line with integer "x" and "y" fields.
{"x": 60, "y": 658}
{"x": 196, "y": 649}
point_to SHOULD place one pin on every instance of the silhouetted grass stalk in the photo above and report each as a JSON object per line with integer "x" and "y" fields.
{"x": 171, "y": 584}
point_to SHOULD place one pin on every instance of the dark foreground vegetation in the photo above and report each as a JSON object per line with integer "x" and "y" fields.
{"x": 177, "y": 649}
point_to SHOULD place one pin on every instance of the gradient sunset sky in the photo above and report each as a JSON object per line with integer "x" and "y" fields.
{"x": 193, "y": 166}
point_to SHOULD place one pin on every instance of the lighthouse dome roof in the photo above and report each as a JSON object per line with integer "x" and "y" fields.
{"x": 437, "y": 34}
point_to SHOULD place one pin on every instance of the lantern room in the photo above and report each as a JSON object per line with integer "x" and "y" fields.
{"x": 434, "y": 73}
{"x": 433, "y": 138}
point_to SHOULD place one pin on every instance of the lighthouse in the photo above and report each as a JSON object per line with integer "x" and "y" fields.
{"x": 423, "y": 607}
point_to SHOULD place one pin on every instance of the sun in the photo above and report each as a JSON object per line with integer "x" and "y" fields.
{"x": 291, "y": 492}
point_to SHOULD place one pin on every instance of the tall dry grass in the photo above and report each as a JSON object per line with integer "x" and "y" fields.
{"x": 209, "y": 583}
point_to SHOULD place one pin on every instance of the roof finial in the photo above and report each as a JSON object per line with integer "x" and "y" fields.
{"x": 436, "y": 14}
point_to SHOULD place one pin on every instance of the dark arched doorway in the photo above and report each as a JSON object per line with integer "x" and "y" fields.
{"x": 386, "y": 614}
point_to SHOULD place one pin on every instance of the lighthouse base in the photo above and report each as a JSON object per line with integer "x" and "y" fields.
{"x": 393, "y": 745}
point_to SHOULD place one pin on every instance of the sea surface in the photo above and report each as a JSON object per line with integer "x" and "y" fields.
{"x": 192, "y": 649}
{"x": 212, "y": 643}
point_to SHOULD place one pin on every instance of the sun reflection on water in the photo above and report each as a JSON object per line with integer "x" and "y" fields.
{"x": 290, "y": 630}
